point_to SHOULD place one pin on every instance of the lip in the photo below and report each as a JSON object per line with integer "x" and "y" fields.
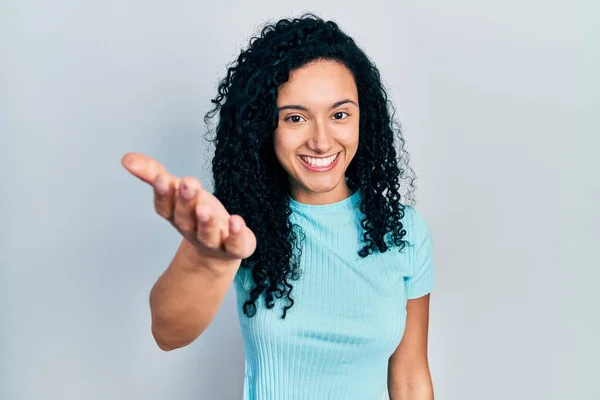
{"x": 320, "y": 169}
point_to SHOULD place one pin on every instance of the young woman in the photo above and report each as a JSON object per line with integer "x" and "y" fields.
{"x": 332, "y": 269}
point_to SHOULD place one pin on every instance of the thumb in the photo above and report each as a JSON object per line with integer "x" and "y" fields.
{"x": 142, "y": 167}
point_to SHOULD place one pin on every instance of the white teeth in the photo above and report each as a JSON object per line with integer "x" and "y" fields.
{"x": 320, "y": 162}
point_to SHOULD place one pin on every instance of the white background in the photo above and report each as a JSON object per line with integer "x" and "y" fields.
{"x": 499, "y": 104}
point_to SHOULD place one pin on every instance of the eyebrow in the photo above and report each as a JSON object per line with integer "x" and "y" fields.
{"x": 303, "y": 108}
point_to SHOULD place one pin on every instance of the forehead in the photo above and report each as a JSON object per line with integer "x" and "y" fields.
{"x": 318, "y": 83}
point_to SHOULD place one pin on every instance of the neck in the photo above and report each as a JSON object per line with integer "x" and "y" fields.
{"x": 341, "y": 192}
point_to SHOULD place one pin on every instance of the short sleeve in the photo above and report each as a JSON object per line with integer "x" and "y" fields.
{"x": 420, "y": 281}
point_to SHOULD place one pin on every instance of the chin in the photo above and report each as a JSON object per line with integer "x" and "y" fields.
{"x": 317, "y": 183}
{"x": 322, "y": 187}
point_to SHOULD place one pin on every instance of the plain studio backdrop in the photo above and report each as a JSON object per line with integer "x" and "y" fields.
{"x": 499, "y": 105}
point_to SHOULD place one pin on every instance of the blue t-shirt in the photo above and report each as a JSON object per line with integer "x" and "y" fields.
{"x": 349, "y": 313}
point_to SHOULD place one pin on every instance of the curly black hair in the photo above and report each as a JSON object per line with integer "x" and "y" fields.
{"x": 248, "y": 178}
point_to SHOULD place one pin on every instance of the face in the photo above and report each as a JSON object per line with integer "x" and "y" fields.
{"x": 317, "y": 133}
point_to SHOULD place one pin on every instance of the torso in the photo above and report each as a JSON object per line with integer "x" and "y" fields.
{"x": 348, "y": 317}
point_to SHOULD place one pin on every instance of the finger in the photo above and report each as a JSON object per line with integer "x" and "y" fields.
{"x": 241, "y": 241}
{"x": 208, "y": 231}
{"x": 143, "y": 167}
{"x": 184, "y": 216}
{"x": 165, "y": 191}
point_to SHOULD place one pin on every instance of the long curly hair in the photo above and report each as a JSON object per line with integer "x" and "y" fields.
{"x": 250, "y": 181}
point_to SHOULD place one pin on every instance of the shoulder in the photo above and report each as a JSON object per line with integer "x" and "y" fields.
{"x": 416, "y": 226}
{"x": 420, "y": 254}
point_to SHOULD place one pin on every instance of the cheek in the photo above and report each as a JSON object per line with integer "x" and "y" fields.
{"x": 349, "y": 138}
{"x": 285, "y": 145}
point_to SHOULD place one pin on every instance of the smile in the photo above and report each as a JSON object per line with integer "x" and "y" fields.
{"x": 320, "y": 164}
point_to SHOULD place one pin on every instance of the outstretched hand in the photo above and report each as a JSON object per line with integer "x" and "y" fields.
{"x": 198, "y": 215}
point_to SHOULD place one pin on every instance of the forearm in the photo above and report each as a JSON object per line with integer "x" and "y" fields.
{"x": 185, "y": 299}
{"x": 409, "y": 381}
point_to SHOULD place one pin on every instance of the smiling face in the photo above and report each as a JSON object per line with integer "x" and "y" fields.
{"x": 317, "y": 133}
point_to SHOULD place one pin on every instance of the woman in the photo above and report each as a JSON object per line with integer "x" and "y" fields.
{"x": 332, "y": 271}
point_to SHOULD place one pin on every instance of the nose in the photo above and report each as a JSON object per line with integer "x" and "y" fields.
{"x": 321, "y": 140}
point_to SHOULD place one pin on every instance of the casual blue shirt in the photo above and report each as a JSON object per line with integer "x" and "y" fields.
{"x": 349, "y": 313}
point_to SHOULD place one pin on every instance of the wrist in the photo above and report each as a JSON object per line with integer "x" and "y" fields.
{"x": 195, "y": 261}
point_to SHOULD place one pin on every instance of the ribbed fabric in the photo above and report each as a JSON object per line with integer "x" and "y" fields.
{"x": 349, "y": 312}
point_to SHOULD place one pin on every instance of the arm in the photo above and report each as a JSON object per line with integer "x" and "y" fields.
{"x": 187, "y": 296}
{"x": 409, "y": 377}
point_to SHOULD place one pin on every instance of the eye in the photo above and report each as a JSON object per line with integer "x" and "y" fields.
{"x": 294, "y": 119}
{"x": 340, "y": 115}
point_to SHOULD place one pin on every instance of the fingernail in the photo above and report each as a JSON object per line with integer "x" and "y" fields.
{"x": 235, "y": 226}
{"x": 203, "y": 217}
{"x": 203, "y": 214}
{"x": 187, "y": 191}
